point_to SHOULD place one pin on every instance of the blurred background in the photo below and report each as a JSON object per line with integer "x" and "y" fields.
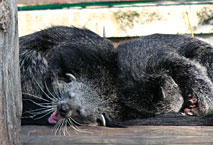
{"x": 120, "y": 20}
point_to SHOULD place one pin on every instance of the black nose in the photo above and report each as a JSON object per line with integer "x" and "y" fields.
{"x": 63, "y": 109}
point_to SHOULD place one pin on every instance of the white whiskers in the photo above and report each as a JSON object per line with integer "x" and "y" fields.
{"x": 61, "y": 127}
{"x": 47, "y": 107}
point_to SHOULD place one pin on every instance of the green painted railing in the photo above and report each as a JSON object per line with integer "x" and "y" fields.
{"x": 107, "y": 4}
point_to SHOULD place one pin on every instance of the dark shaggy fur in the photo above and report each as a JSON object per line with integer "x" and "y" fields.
{"x": 161, "y": 73}
{"x": 141, "y": 78}
{"x": 48, "y": 55}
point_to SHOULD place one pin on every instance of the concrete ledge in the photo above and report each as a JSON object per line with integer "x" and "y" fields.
{"x": 126, "y": 21}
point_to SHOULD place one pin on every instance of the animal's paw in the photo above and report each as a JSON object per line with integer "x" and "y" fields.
{"x": 192, "y": 107}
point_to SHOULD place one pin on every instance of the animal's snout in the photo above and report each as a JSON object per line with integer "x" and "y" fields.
{"x": 64, "y": 110}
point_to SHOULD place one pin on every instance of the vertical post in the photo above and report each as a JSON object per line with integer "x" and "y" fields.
{"x": 10, "y": 90}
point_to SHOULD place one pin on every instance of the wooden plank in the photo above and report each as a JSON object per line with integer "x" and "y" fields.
{"x": 10, "y": 88}
{"x": 33, "y": 135}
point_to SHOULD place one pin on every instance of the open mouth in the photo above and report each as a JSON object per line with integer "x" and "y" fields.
{"x": 54, "y": 118}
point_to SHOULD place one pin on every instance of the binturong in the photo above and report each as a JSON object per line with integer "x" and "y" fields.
{"x": 166, "y": 73}
{"x": 68, "y": 78}
{"x": 72, "y": 76}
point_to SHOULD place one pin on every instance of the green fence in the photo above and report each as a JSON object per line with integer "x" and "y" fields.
{"x": 112, "y": 4}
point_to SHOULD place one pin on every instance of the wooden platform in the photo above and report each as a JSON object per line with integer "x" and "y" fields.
{"x": 134, "y": 135}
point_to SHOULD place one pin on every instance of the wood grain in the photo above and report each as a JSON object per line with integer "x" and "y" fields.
{"x": 202, "y": 135}
{"x": 10, "y": 94}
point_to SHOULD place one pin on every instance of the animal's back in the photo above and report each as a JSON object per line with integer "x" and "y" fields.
{"x": 160, "y": 73}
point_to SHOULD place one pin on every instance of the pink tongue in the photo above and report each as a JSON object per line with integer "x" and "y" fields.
{"x": 54, "y": 118}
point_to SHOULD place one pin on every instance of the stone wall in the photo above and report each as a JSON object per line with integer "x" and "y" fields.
{"x": 125, "y": 21}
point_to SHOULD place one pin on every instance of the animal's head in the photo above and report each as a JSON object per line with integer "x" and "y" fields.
{"x": 76, "y": 104}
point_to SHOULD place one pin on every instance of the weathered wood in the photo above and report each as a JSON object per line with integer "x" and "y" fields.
{"x": 10, "y": 94}
{"x": 202, "y": 135}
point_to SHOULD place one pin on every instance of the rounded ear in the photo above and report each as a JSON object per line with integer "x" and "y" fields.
{"x": 71, "y": 77}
